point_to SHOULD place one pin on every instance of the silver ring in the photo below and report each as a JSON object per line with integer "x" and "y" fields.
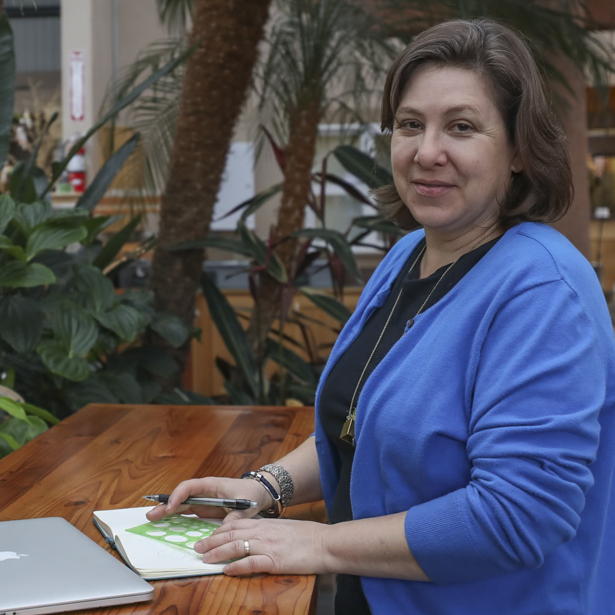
{"x": 246, "y": 548}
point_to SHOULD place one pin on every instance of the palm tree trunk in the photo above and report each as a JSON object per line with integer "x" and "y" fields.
{"x": 299, "y": 155}
{"x": 217, "y": 78}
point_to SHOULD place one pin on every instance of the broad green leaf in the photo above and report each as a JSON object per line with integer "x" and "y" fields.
{"x": 30, "y": 215}
{"x": 10, "y": 248}
{"x": 7, "y": 85}
{"x": 362, "y": 166}
{"x": 89, "y": 391}
{"x": 53, "y": 238}
{"x": 25, "y": 185}
{"x": 58, "y": 261}
{"x": 74, "y": 328}
{"x": 7, "y": 208}
{"x": 290, "y": 360}
{"x": 171, "y": 328}
{"x": 123, "y": 320}
{"x": 9, "y": 439}
{"x": 14, "y": 408}
{"x": 104, "y": 178}
{"x": 151, "y": 358}
{"x": 115, "y": 244}
{"x": 95, "y": 225}
{"x": 56, "y": 359}
{"x": 41, "y": 414}
{"x": 238, "y": 396}
{"x": 19, "y": 274}
{"x": 21, "y": 322}
{"x": 121, "y": 104}
{"x": 96, "y": 287}
{"x": 231, "y": 331}
{"x": 328, "y": 304}
{"x": 221, "y": 243}
{"x": 124, "y": 385}
{"x": 22, "y": 432}
{"x": 339, "y": 245}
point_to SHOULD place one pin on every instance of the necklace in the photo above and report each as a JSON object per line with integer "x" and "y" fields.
{"x": 347, "y": 433}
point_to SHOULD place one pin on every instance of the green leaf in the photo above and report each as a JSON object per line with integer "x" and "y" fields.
{"x": 10, "y": 248}
{"x": 21, "y": 431}
{"x": 121, "y": 104}
{"x": 258, "y": 248}
{"x": 238, "y": 396}
{"x": 123, "y": 320}
{"x": 53, "y": 238}
{"x": 7, "y": 208}
{"x": 89, "y": 391}
{"x": 104, "y": 178}
{"x": 95, "y": 225}
{"x": 339, "y": 245}
{"x": 362, "y": 166}
{"x": 21, "y": 322}
{"x": 13, "y": 408}
{"x": 290, "y": 360}
{"x": 231, "y": 331}
{"x": 56, "y": 359}
{"x": 30, "y": 215}
{"x": 96, "y": 287}
{"x": 124, "y": 385}
{"x": 74, "y": 328}
{"x": 328, "y": 304}
{"x": 41, "y": 414}
{"x": 25, "y": 184}
{"x": 7, "y": 85}
{"x": 115, "y": 244}
{"x": 8, "y": 379}
{"x": 171, "y": 328}
{"x": 221, "y": 243}
{"x": 151, "y": 358}
{"x": 18, "y": 274}
{"x": 378, "y": 224}
{"x": 9, "y": 439}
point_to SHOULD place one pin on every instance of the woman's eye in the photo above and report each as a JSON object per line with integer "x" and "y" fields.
{"x": 461, "y": 127}
{"x": 409, "y": 124}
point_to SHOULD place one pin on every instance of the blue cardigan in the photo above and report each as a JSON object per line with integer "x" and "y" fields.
{"x": 492, "y": 423}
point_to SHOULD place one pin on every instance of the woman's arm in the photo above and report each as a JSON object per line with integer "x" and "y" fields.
{"x": 302, "y": 465}
{"x": 368, "y": 547}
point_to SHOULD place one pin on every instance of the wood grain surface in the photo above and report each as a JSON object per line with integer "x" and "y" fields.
{"x": 108, "y": 456}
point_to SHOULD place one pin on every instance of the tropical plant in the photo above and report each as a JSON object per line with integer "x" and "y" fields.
{"x": 20, "y": 422}
{"x": 65, "y": 334}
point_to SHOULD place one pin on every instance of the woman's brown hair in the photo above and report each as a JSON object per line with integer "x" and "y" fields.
{"x": 542, "y": 191}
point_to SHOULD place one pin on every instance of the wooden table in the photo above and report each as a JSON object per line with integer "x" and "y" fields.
{"x": 108, "y": 456}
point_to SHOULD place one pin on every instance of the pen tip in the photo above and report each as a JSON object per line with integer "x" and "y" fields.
{"x": 253, "y": 504}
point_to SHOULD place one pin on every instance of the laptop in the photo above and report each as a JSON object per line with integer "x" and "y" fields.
{"x": 48, "y": 566}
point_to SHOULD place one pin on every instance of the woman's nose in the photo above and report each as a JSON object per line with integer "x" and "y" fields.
{"x": 430, "y": 151}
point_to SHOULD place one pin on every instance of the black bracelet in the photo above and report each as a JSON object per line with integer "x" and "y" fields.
{"x": 277, "y": 508}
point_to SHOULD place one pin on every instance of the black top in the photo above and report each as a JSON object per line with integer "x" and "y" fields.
{"x": 340, "y": 385}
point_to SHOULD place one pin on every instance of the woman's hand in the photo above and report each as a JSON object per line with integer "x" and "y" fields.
{"x": 213, "y": 487}
{"x": 277, "y": 546}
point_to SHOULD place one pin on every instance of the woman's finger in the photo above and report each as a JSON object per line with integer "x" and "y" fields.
{"x": 249, "y": 565}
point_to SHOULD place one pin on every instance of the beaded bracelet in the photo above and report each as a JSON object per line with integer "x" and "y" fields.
{"x": 287, "y": 487}
{"x": 276, "y": 510}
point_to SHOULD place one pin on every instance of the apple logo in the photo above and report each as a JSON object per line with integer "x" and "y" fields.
{"x": 4, "y": 555}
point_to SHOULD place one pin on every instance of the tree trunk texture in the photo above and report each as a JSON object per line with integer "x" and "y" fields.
{"x": 575, "y": 224}
{"x": 299, "y": 156}
{"x": 217, "y": 78}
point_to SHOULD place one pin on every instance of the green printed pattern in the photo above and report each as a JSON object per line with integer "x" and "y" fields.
{"x": 176, "y": 530}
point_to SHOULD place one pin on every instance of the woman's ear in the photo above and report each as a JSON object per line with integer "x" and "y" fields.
{"x": 516, "y": 166}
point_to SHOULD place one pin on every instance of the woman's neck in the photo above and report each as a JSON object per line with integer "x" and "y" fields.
{"x": 440, "y": 252}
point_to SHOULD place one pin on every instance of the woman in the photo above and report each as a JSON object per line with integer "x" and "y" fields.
{"x": 465, "y": 433}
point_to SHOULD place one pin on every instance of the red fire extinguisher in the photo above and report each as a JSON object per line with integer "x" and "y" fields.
{"x": 76, "y": 171}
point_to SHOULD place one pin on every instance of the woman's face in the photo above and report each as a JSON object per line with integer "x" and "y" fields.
{"x": 451, "y": 158}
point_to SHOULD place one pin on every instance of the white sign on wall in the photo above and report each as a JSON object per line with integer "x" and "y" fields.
{"x": 77, "y": 85}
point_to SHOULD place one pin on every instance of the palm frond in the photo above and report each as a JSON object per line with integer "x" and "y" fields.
{"x": 176, "y": 14}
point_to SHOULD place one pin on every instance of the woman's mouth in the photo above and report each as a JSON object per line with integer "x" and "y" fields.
{"x": 432, "y": 188}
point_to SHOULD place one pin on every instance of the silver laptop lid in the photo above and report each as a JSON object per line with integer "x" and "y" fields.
{"x": 48, "y": 566}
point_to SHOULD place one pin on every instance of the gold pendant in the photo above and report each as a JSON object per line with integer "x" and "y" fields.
{"x": 348, "y": 430}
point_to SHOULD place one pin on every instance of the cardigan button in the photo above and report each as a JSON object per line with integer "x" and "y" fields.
{"x": 410, "y": 323}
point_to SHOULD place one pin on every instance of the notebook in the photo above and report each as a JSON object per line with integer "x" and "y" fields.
{"x": 157, "y": 550}
{"x": 48, "y": 566}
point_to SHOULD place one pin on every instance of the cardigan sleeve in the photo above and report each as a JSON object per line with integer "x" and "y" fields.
{"x": 533, "y": 400}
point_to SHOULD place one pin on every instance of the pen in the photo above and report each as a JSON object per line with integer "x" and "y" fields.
{"x": 236, "y": 504}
